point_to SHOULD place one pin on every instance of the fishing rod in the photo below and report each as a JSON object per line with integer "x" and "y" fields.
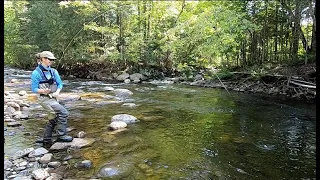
{"x": 63, "y": 52}
{"x": 222, "y": 83}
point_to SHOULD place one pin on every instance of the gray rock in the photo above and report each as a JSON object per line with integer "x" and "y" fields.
{"x": 54, "y": 164}
{"x": 23, "y": 178}
{"x": 16, "y": 113}
{"x": 21, "y": 168}
{"x": 14, "y": 80}
{"x": 9, "y": 120}
{"x": 24, "y": 104}
{"x": 7, "y": 164}
{"x": 24, "y": 163}
{"x": 14, "y": 124}
{"x": 118, "y": 125}
{"x": 22, "y": 93}
{"x": 38, "y": 152}
{"x": 14, "y": 105}
{"x": 108, "y": 88}
{"x": 54, "y": 176}
{"x": 66, "y": 97}
{"x": 125, "y": 118}
{"x": 40, "y": 174}
{"x": 127, "y": 81}
{"x": 45, "y": 159}
{"x": 129, "y": 105}
{"x": 22, "y": 153}
{"x": 67, "y": 158}
{"x": 114, "y": 170}
{"x": 84, "y": 164}
{"x": 22, "y": 116}
{"x": 77, "y": 143}
{"x": 122, "y": 77}
{"x": 81, "y": 134}
{"x": 9, "y": 110}
{"x": 137, "y": 77}
{"x": 122, "y": 92}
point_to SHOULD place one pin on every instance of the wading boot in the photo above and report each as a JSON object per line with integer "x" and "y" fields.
{"x": 47, "y": 135}
{"x": 64, "y": 138}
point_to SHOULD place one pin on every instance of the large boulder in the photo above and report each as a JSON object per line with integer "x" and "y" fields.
{"x": 136, "y": 77}
{"x": 123, "y": 76}
{"x": 122, "y": 92}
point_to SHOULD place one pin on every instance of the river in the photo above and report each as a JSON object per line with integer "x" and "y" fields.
{"x": 187, "y": 133}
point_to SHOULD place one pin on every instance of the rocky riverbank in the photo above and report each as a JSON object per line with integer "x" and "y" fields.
{"x": 294, "y": 82}
{"x": 290, "y": 82}
{"x": 36, "y": 162}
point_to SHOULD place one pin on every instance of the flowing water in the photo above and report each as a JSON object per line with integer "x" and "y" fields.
{"x": 190, "y": 133}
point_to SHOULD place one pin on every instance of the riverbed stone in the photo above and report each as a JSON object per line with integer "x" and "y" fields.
{"x": 24, "y": 104}
{"x": 54, "y": 164}
{"x": 22, "y": 153}
{"x": 38, "y": 152}
{"x": 76, "y": 143}
{"x": 130, "y": 105}
{"x": 9, "y": 110}
{"x": 54, "y": 176}
{"x": 40, "y": 174}
{"x": 22, "y": 116}
{"x": 115, "y": 170}
{"x": 45, "y": 159}
{"x": 123, "y": 76}
{"x": 117, "y": 125}
{"x": 9, "y": 120}
{"x": 14, "y": 124}
{"x": 22, "y": 93}
{"x": 81, "y": 134}
{"x": 108, "y": 88}
{"x": 7, "y": 164}
{"x": 125, "y": 118}
{"x": 137, "y": 77}
{"x": 14, "y": 81}
{"x": 13, "y": 104}
{"x": 66, "y": 97}
{"x": 84, "y": 164}
{"x": 123, "y": 92}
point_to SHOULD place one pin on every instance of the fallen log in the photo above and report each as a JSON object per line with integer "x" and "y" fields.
{"x": 303, "y": 85}
{"x": 304, "y": 82}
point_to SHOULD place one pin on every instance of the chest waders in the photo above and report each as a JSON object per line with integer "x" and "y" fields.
{"x": 57, "y": 114}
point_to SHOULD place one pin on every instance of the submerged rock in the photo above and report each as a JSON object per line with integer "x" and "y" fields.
{"x": 125, "y": 118}
{"x": 77, "y": 143}
{"x": 117, "y": 125}
{"x": 122, "y": 92}
{"x": 116, "y": 170}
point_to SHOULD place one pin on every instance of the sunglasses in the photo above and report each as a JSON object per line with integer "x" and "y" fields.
{"x": 50, "y": 59}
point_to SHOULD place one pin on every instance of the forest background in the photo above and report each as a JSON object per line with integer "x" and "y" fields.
{"x": 93, "y": 39}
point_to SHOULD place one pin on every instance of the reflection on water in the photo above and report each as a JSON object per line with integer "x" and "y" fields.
{"x": 194, "y": 133}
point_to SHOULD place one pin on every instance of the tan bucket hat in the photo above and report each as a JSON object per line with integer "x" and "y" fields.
{"x": 47, "y": 54}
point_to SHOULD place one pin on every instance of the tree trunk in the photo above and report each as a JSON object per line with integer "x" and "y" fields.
{"x": 276, "y": 59}
{"x": 313, "y": 39}
{"x": 295, "y": 31}
{"x": 139, "y": 29}
{"x": 149, "y": 22}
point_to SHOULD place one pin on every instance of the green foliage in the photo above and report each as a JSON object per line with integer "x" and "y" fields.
{"x": 15, "y": 51}
{"x": 183, "y": 35}
{"x": 223, "y": 75}
{"x": 186, "y": 70}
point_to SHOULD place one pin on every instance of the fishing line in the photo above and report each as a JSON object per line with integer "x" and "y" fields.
{"x": 222, "y": 83}
{"x": 78, "y": 33}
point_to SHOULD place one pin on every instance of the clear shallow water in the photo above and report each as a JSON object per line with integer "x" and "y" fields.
{"x": 193, "y": 133}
